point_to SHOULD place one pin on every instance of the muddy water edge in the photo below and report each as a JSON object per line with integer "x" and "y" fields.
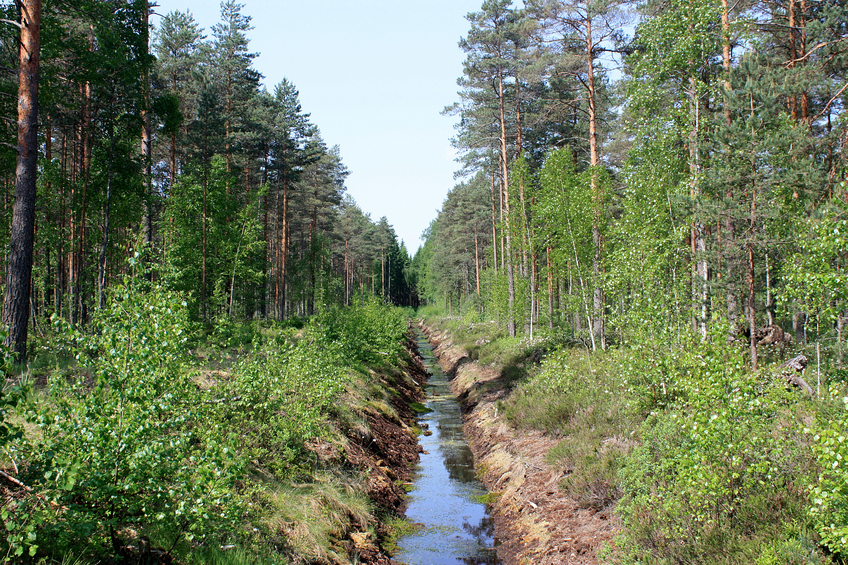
{"x": 535, "y": 521}
{"x": 447, "y": 499}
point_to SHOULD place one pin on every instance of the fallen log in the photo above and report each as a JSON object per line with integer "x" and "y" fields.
{"x": 796, "y": 367}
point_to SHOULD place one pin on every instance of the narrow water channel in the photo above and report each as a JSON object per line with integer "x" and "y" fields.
{"x": 446, "y": 496}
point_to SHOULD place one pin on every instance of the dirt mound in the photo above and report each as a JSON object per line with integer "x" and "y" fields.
{"x": 535, "y": 521}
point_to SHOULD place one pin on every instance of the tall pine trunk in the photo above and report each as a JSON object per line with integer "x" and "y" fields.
{"x": 505, "y": 180}
{"x": 19, "y": 274}
{"x": 146, "y": 134}
{"x": 729, "y": 223}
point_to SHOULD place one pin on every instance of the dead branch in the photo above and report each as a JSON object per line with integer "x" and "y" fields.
{"x": 30, "y": 491}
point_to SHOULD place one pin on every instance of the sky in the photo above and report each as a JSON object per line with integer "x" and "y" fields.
{"x": 374, "y": 75}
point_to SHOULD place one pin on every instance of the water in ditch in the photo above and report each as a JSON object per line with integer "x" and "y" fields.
{"x": 446, "y": 497}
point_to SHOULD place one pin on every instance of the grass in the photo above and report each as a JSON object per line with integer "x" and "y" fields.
{"x": 579, "y": 399}
{"x": 312, "y": 517}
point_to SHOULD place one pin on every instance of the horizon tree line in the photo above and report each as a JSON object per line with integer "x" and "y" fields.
{"x": 167, "y": 140}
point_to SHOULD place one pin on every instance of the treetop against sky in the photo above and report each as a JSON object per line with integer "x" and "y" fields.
{"x": 374, "y": 76}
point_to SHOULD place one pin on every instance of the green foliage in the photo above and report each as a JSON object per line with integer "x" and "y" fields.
{"x": 133, "y": 442}
{"x": 829, "y": 496}
{"x": 367, "y": 332}
{"x": 721, "y": 472}
{"x": 279, "y": 397}
{"x": 817, "y": 275}
{"x": 19, "y": 528}
{"x": 277, "y": 400}
{"x": 128, "y": 443}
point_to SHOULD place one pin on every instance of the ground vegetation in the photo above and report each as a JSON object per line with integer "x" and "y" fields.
{"x": 667, "y": 199}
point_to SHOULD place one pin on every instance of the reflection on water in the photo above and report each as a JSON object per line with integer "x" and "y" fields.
{"x": 457, "y": 528}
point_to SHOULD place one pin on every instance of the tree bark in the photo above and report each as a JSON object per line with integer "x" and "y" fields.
{"x": 597, "y": 197}
{"x": 729, "y": 224}
{"x": 101, "y": 275}
{"x": 494, "y": 228}
{"x": 476, "y": 259}
{"x": 146, "y": 134}
{"x": 700, "y": 273}
{"x": 505, "y": 180}
{"x": 19, "y": 273}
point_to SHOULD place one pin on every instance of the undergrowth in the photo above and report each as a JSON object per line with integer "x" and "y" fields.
{"x": 703, "y": 460}
{"x": 194, "y": 440}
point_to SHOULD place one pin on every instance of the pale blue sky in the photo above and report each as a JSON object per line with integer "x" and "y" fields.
{"x": 374, "y": 74}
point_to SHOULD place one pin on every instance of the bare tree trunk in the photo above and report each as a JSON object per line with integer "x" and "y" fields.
{"x": 284, "y": 250}
{"x": 793, "y": 56}
{"x": 146, "y": 135}
{"x": 597, "y": 198}
{"x": 505, "y": 180}
{"x": 346, "y": 274}
{"x": 699, "y": 276}
{"x": 203, "y": 251}
{"x": 802, "y": 32}
{"x": 101, "y": 275}
{"x": 173, "y": 160}
{"x": 494, "y": 228}
{"x": 477, "y": 258}
{"x": 16, "y": 302}
{"x": 550, "y": 288}
{"x": 752, "y": 318}
{"x": 729, "y": 224}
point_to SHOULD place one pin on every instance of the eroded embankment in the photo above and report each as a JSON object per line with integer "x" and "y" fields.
{"x": 535, "y": 522}
{"x": 386, "y": 452}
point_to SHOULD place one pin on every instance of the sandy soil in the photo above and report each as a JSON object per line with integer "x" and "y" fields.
{"x": 535, "y": 522}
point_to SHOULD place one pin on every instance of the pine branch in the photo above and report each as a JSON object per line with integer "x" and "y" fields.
{"x": 830, "y": 102}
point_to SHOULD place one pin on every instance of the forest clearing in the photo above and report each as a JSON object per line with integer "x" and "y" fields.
{"x": 634, "y": 295}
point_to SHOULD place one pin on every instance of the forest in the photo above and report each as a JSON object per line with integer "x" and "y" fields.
{"x": 690, "y": 177}
{"x": 652, "y": 200}
{"x": 648, "y": 235}
{"x": 165, "y": 138}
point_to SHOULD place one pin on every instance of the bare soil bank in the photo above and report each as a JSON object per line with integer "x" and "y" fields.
{"x": 535, "y": 522}
{"x": 385, "y": 453}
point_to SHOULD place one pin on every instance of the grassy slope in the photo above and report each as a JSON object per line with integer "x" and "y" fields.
{"x": 703, "y": 461}
{"x": 318, "y": 427}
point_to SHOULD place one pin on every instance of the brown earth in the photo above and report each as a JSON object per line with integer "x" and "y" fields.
{"x": 387, "y": 452}
{"x": 535, "y": 522}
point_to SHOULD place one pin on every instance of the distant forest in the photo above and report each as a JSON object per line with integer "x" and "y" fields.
{"x": 164, "y": 139}
{"x": 650, "y": 169}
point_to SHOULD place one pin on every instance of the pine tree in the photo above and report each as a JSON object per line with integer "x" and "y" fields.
{"x": 178, "y": 48}
{"x": 17, "y": 299}
{"x": 232, "y": 72}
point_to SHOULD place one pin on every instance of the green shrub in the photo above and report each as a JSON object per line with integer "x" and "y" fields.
{"x": 367, "y": 332}
{"x": 127, "y": 447}
{"x": 277, "y": 400}
{"x": 829, "y": 496}
{"x": 720, "y": 476}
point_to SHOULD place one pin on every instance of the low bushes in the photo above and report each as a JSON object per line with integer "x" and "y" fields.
{"x": 704, "y": 461}
{"x": 137, "y": 442}
{"x": 577, "y": 397}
